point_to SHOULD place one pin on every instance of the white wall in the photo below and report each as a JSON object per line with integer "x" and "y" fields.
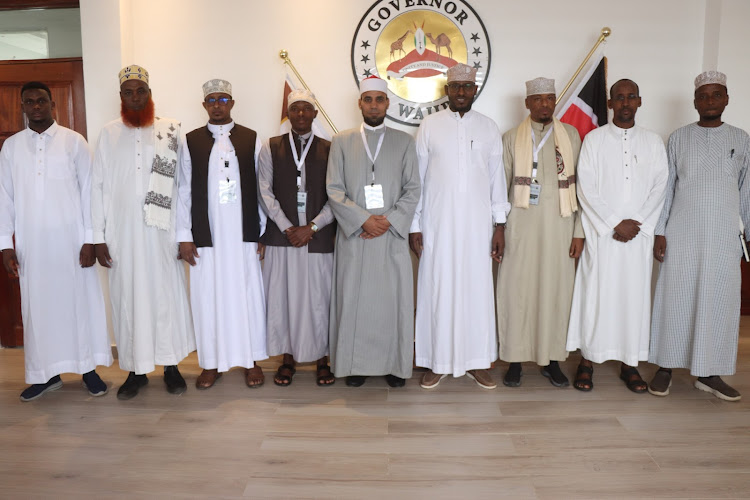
{"x": 182, "y": 43}
{"x": 62, "y": 25}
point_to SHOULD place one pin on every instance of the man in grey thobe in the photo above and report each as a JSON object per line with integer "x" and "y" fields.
{"x": 373, "y": 188}
{"x": 696, "y": 316}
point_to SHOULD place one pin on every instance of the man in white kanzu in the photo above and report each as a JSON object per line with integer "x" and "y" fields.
{"x": 373, "y": 189}
{"x": 622, "y": 175}
{"x": 132, "y": 193}
{"x": 45, "y": 199}
{"x": 696, "y": 319}
{"x": 463, "y": 194}
{"x": 219, "y": 222}
{"x": 299, "y": 242}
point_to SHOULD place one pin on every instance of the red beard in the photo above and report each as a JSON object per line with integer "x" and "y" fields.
{"x": 141, "y": 118}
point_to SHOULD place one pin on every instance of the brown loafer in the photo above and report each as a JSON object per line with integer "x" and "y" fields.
{"x": 207, "y": 379}
{"x": 482, "y": 378}
{"x": 254, "y": 377}
{"x": 430, "y": 379}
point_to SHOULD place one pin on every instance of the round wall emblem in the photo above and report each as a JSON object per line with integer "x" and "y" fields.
{"x": 411, "y": 44}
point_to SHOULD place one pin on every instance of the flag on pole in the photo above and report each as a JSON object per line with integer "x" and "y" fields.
{"x": 586, "y": 105}
{"x": 318, "y": 129}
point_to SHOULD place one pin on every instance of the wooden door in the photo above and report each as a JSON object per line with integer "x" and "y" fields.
{"x": 64, "y": 77}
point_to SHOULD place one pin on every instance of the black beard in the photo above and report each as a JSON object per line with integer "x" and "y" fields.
{"x": 374, "y": 122}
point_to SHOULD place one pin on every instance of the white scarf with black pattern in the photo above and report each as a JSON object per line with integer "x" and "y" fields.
{"x": 158, "y": 206}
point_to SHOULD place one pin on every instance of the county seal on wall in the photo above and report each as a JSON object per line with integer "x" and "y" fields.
{"x": 411, "y": 44}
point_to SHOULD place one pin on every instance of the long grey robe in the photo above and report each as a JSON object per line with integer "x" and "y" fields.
{"x": 372, "y": 304}
{"x": 696, "y": 315}
{"x": 535, "y": 281}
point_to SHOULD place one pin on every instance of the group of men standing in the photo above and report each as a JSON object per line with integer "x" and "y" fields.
{"x": 334, "y": 221}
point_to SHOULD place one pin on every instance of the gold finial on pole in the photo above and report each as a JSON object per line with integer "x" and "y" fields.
{"x": 285, "y": 56}
{"x": 606, "y": 31}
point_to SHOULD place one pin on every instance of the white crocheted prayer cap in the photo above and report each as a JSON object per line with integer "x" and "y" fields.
{"x": 217, "y": 86}
{"x": 298, "y": 95}
{"x": 540, "y": 85}
{"x": 462, "y": 73}
{"x": 373, "y": 83}
{"x": 709, "y": 77}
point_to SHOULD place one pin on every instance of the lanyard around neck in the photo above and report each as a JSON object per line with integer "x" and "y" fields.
{"x": 535, "y": 150}
{"x": 300, "y": 161}
{"x": 367, "y": 148}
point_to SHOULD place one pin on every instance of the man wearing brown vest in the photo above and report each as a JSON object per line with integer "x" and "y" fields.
{"x": 219, "y": 223}
{"x": 299, "y": 242}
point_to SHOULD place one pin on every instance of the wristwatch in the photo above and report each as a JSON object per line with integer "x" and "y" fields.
{"x": 314, "y": 227}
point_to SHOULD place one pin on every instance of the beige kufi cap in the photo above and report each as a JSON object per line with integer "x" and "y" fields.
{"x": 462, "y": 73}
{"x": 709, "y": 77}
{"x": 298, "y": 95}
{"x": 133, "y": 72}
{"x": 217, "y": 86}
{"x": 540, "y": 85}
{"x": 373, "y": 83}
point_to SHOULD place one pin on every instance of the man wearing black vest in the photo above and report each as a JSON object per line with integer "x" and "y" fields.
{"x": 219, "y": 223}
{"x": 299, "y": 242}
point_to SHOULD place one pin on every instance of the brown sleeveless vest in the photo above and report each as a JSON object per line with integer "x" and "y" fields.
{"x": 285, "y": 191}
{"x": 200, "y": 142}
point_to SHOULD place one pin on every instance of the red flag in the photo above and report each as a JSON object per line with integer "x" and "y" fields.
{"x": 586, "y": 105}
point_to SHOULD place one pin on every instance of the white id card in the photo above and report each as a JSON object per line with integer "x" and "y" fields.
{"x": 227, "y": 192}
{"x": 374, "y": 196}
{"x": 301, "y": 201}
{"x": 535, "y": 190}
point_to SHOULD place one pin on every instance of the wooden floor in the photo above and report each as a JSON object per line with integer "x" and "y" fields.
{"x": 304, "y": 441}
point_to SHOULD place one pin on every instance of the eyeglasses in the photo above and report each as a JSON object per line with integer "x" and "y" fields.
{"x": 454, "y": 87}
{"x": 221, "y": 100}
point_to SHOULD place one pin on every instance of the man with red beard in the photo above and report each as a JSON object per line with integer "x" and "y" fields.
{"x": 132, "y": 207}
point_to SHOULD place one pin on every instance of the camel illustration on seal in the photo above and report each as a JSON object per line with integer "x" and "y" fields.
{"x": 442, "y": 40}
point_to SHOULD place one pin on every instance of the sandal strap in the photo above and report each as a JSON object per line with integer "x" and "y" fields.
{"x": 287, "y": 366}
{"x": 585, "y": 369}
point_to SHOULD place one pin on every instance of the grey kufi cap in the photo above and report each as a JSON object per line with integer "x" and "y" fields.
{"x": 540, "y": 85}
{"x": 462, "y": 73}
{"x": 298, "y": 95}
{"x": 217, "y": 86}
{"x": 709, "y": 77}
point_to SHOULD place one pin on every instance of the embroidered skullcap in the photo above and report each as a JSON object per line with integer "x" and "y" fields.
{"x": 217, "y": 86}
{"x": 133, "y": 72}
{"x": 540, "y": 85}
{"x": 709, "y": 77}
{"x": 298, "y": 95}
{"x": 462, "y": 73}
{"x": 373, "y": 83}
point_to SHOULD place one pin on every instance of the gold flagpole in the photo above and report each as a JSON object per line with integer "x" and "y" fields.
{"x": 605, "y": 33}
{"x": 285, "y": 56}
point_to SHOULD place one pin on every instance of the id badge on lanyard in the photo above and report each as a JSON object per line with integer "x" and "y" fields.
{"x": 535, "y": 189}
{"x": 300, "y": 162}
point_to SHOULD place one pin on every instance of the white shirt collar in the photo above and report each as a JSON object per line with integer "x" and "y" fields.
{"x": 51, "y": 130}
{"x": 220, "y": 129}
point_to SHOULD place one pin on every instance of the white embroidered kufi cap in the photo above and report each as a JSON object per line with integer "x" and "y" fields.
{"x": 298, "y": 95}
{"x": 540, "y": 85}
{"x": 709, "y": 77}
{"x": 373, "y": 83}
{"x": 217, "y": 86}
{"x": 133, "y": 72}
{"x": 462, "y": 73}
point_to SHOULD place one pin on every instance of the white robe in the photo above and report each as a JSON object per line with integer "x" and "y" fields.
{"x": 45, "y": 198}
{"x": 150, "y": 309}
{"x": 622, "y": 174}
{"x": 226, "y": 284}
{"x": 463, "y": 192}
